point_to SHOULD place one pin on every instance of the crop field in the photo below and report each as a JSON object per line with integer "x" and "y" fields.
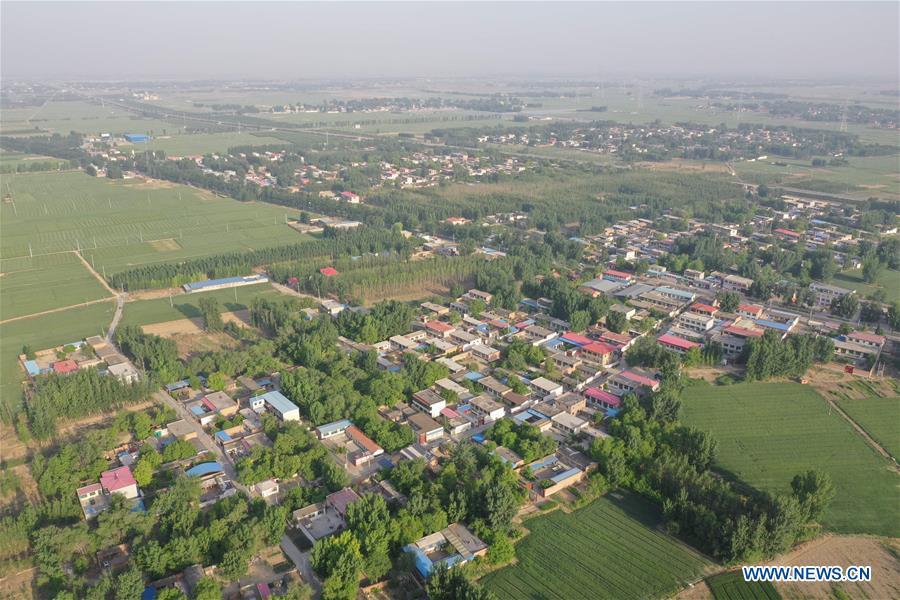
{"x": 186, "y": 306}
{"x": 44, "y": 332}
{"x": 120, "y": 224}
{"x": 32, "y": 285}
{"x": 81, "y": 116}
{"x": 731, "y": 586}
{"x": 769, "y": 432}
{"x": 879, "y": 417}
{"x": 204, "y": 143}
{"x": 611, "y": 548}
{"x": 862, "y": 177}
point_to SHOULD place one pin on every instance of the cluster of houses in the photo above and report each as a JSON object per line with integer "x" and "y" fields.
{"x": 93, "y": 352}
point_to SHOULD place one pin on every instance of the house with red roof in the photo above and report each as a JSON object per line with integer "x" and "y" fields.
{"x": 64, "y": 367}
{"x": 576, "y": 339}
{"x": 704, "y": 309}
{"x": 632, "y": 382}
{"x": 119, "y": 481}
{"x": 439, "y": 328}
{"x": 350, "y": 197}
{"x": 786, "y": 234}
{"x": 753, "y": 311}
{"x": 676, "y": 344}
{"x": 617, "y": 276}
{"x": 329, "y": 271}
{"x": 602, "y": 399}
{"x": 864, "y": 338}
{"x": 598, "y": 352}
{"x": 367, "y": 448}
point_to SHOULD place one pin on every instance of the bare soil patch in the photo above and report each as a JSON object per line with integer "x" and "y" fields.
{"x": 148, "y": 183}
{"x": 699, "y": 591}
{"x": 881, "y": 553}
{"x": 683, "y": 165}
{"x": 165, "y": 245}
{"x": 154, "y": 294}
{"x": 194, "y": 326}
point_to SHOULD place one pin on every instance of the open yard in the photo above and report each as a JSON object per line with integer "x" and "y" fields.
{"x": 120, "y": 224}
{"x": 888, "y": 280}
{"x": 612, "y": 548}
{"x": 769, "y": 432}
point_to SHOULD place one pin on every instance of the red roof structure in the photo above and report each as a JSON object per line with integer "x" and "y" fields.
{"x": 576, "y": 338}
{"x": 64, "y": 367}
{"x": 677, "y": 342}
{"x": 116, "y": 479}
{"x": 439, "y": 326}
{"x": 618, "y": 274}
{"x": 598, "y": 348}
{"x": 355, "y": 434}
{"x": 743, "y": 331}
{"x": 602, "y": 396}
{"x": 704, "y": 309}
{"x": 640, "y": 379}
{"x": 872, "y": 338}
{"x": 328, "y": 271}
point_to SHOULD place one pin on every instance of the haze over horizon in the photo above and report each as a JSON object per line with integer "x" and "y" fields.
{"x": 281, "y": 40}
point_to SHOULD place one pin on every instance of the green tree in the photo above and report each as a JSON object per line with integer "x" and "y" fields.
{"x": 212, "y": 314}
{"x": 130, "y": 584}
{"x": 871, "y": 268}
{"x": 207, "y": 589}
{"x": 217, "y": 381}
{"x": 814, "y": 490}
{"x": 616, "y": 322}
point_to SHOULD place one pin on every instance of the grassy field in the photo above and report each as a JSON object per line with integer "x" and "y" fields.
{"x": 863, "y": 177}
{"x": 731, "y": 586}
{"x": 120, "y": 224}
{"x": 879, "y": 417}
{"x": 32, "y": 285}
{"x": 769, "y": 432}
{"x": 609, "y": 549}
{"x": 185, "y": 306}
{"x": 44, "y": 332}
{"x": 888, "y": 280}
{"x": 205, "y": 143}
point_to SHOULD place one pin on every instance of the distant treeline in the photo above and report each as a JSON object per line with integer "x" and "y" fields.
{"x": 337, "y": 244}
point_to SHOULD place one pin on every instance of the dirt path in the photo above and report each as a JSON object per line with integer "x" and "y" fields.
{"x": 869, "y": 439}
{"x": 96, "y": 275}
{"x": 56, "y": 310}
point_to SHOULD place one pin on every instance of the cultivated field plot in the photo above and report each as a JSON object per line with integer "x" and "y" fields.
{"x": 44, "y": 332}
{"x": 33, "y": 285}
{"x": 880, "y": 417}
{"x": 888, "y": 280}
{"x": 120, "y": 224}
{"x": 186, "y": 306}
{"x": 769, "y": 432}
{"x": 731, "y": 586}
{"x": 609, "y": 549}
{"x": 65, "y": 116}
{"x": 205, "y": 143}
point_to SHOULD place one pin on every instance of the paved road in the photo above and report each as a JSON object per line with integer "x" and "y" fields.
{"x": 301, "y": 560}
{"x": 204, "y": 438}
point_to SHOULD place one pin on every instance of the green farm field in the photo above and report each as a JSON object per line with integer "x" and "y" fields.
{"x": 611, "y": 548}
{"x": 879, "y": 417}
{"x": 186, "y": 306}
{"x": 769, "y": 432}
{"x": 204, "y": 143}
{"x": 121, "y": 224}
{"x": 731, "y": 586}
{"x": 33, "y": 285}
{"x": 46, "y": 331}
{"x": 84, "y": 117}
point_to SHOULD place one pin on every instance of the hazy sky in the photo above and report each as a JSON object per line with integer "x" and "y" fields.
{"x": 106, "y": 40}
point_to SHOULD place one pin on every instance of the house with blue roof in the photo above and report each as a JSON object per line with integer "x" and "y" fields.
{"x": 453, "y": 545}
